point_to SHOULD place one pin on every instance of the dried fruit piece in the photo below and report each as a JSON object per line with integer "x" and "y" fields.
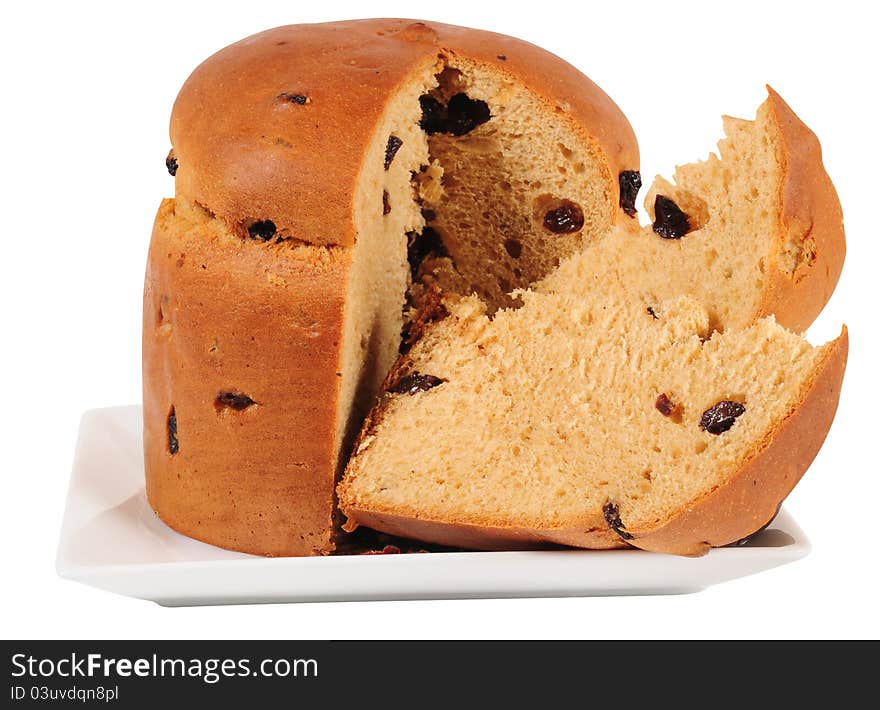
{"x": 419, "y": 246}
{"x": 721, "y": 416}
{"x": 565, "y": 219}
{"x": 171, "y": 163}
{"x": 433, "y": 115}
{"x": 391, "y": 149}
{"x": 465, "y": 114}
{"x": 299, "y": 99}
{"x": 652, "y": 312}
{"x": 173, "y": 443}
{"x": 233, "y": 400}
{"x": 612, "y": 517}
{"x": 415, "y": 382}
{"x": 664, "y": 405}
{"x": 462, "y": 115}
{"x": 386, "y": 205}
{"x": 669, "y": 221}
{"x": 630, "y": 182}
{"x": 263, "y": 229}
{"x": 513, "y": 247}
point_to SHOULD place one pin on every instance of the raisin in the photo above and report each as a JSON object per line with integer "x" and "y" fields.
{"x": 721, "y": 416}
{"x": 231, "y": 400}
{"x": 565, "y": 219}
{"x": 652, "y": 312}
{"x": 298, "y": 99}
{"x": 415, "y": 382}
{"x": 665, "y": 406}
{"x": 513, "y": 247}
{"x": 263, "y": 229}
{"x": 630, "y": 182}
{"x": 387, "y": 550}
{"x": 419, "y": 246}
{"x": 612, "y": 517}
{"x": 465, "y": 114}
{"x": 502, "y": 57}
{"x": 173, "y": 443}
{"x": 669, "y": 221}
{"x": 391, "y": 149}
{"x": 171, "y": 164}
{"x": 433, "y": 115}
{"x": 386, "y": 205}
{"x": 462, "y": 115}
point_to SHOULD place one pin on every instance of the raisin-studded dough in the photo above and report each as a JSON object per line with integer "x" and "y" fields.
{"x": 591, "y": 422}
{"x": 609, "y": 409}
{"x": 753, "y": 231}
{"x": 321, "y": 172}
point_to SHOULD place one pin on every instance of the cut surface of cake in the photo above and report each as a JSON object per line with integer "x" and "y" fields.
{"x": 753, "y": 231}
{"x": 594, "y": 422}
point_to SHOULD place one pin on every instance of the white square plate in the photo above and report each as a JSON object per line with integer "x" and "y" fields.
{"x": 111, "y": 539}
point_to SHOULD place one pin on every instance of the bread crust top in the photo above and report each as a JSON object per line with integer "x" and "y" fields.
{"x": 275, "y": 127}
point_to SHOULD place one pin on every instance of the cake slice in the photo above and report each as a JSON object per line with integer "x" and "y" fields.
{"x": 758, "y": 230}
{"x": 594, "y": 422}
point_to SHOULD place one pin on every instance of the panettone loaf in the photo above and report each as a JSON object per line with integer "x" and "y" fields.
{"x": 308, "y": 160}
{"x": 577, "y": 418}
{"x": 588, "y": 421}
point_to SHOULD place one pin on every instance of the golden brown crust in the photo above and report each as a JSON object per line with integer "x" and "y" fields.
{"x": 812, "y": 225}
{"x": 752, "y": 496}
{"x": 593, "y": 534}
{"x": 248, "y": 153}
{"x": 223, "y": 314}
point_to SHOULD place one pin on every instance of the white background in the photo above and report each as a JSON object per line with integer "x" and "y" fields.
{"x": 86, "y": 95}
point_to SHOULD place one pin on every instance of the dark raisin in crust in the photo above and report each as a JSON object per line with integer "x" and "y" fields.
{"x": 419, "y": 246}
{"x": 721, "y": 416}
{"x": 664, "y": 405}
{"x": 231, "y": 400}
{"x": 263, "y": 229}
{"x": 630, "y": 182}
{"x": 391, "y": 149}
{"x": 502, "y": 57}
{"x": 171, "y": 164}
{"x": 669, "y": 221}
{"x": 652, "y": 312}
{"x": 299, "y": 99}
{"x": 386, "y": 205}
{"x": 460, "y": 116}
{"x": 612, "y": 517}
{"x": 415, "y": 382}
{"x": 173, "y": 443}
{"x": 565, "y": 219}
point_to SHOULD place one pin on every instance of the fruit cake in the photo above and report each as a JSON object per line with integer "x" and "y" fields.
{"x": 331, "y": 182}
